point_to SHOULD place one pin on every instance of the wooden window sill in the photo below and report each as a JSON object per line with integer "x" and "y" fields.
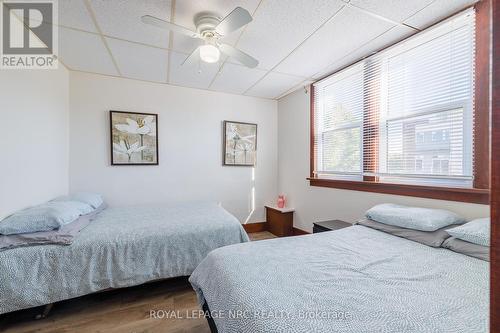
{"x": 479, "y": 196}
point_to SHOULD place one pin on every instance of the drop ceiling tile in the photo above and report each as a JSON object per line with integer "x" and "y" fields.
{"x": 122, "y": 19}
{"x": 74, "y": 14}
{"x": 302, "y": 85}
{"x": 197, "y": 75}
{"x": 84, "y": 51}
{"x": 185, "y": 11}
{"x": 397, "y": 33}
{"x": 343, "y": 34}
{"x": 185, "y": 44}
{"x": 280, "y": 26}
{"x": 437, "y": 11}
{"x": 273, "y": 85}
{"x": 139, "y": 62}
{"x": 396, "y": 10}
{"x": 236, "y": 79}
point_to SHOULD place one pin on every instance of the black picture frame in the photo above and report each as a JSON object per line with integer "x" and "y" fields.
{"x": 113, "y": 162}
{"x": 224, "y": 136}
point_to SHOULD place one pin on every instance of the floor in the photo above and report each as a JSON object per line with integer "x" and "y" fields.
{"x": 261, "y": 235}
{"x": 130, "y": 310}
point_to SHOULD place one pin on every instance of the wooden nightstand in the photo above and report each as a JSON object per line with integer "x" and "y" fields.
{"x": 280, "y": 220}
{"x": 330, "y": 225}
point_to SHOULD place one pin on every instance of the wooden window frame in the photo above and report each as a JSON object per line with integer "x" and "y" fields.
{"x": 481, "y": 187}
{"x": 495, "y": 175}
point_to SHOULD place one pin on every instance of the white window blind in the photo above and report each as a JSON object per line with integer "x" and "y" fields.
{"x": 402, "y": 115}
{"x": 339, "y": 124}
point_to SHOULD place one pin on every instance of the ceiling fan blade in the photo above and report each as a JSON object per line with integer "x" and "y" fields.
{"x": 151, "y": 20}
{"x": 235, "y": 20}
{"x": 191, "y": 59}
{"x": 241, "y": 56}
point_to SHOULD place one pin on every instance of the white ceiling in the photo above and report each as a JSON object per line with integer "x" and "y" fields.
{"x": 296, "y": 41}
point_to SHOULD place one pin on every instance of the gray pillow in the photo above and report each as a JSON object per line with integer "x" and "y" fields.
{"x": 45, "y": 217}
{"x": 429, "y": 238}
{"x": 475, "y": 231}
{"x": 93, "y": 199}
{"x": 423, "y": 219}
{"x": 467, "y": 248}
{"x": 83, "y": 207}
{"x": 61, "y": 236}
{"x": 96, "y": 212}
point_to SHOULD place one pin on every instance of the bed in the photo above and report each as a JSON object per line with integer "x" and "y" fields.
{"x": 355, "y": 279}
{"x": 122, "y": 247}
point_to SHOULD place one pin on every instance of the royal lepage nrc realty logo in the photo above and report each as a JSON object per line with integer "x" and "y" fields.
{"x": 29, "y": 34}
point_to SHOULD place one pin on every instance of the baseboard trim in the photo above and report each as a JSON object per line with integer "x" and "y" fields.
{"x": 298, "y": 232}
{"x": 256, "y": 227}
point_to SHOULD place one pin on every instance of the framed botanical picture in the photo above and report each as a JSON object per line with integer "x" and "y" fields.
{"x": 240, "y": 143}
{"x": 134, "y": 138}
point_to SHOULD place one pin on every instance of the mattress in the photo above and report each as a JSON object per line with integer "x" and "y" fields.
{"x": 122, "y": 247}
{"x": 351, "y": 280}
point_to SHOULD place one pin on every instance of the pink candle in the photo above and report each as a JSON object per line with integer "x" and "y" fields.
{"x": 281, "y": 201}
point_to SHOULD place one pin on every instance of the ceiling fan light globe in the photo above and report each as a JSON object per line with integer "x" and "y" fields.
{"x": 209, "y": 53}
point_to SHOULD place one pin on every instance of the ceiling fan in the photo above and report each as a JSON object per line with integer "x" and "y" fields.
{"x": 211, "y": 30}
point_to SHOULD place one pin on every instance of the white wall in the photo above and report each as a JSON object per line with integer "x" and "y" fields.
{"x": 33, "y": 137}
{"x": 34, "y": 149}
{"x": 190, "y": 145}
{"x": 315, "y": 203}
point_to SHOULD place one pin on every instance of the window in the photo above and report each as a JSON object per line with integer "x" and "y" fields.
{"x": 402, "y": 116}
{"x": 340, "y": 125}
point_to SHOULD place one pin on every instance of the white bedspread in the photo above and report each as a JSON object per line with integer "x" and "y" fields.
{"x": 351, "y": 280}
{"x": 122, "y": 247}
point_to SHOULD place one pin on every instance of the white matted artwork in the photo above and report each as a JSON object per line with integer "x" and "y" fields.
{"x": 240, "y": 143}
